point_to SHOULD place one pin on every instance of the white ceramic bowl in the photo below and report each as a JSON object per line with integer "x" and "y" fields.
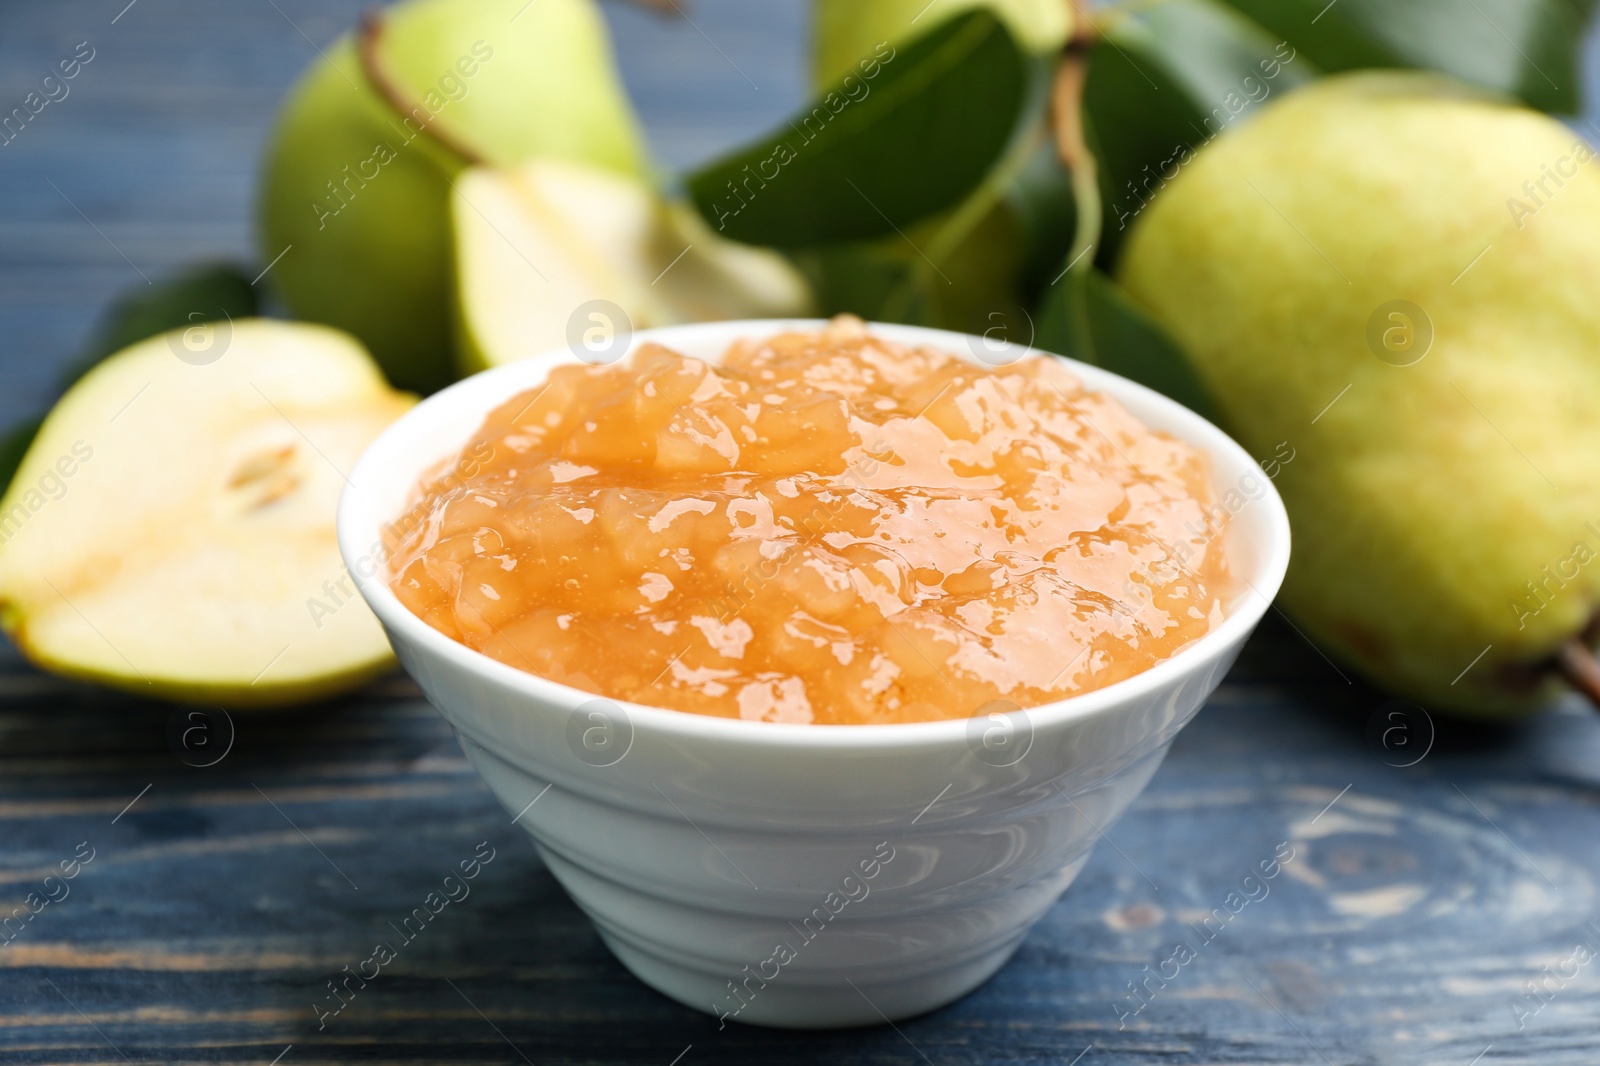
{"x": 798, "y": 875}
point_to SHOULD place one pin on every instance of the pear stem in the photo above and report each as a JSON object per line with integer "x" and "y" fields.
{"x": 669, "y": 8}
{"x": 1067, "y": 122}
{"x": 367, "y": 41}
{"x": 1579, "y": 667}
{"x": 1066, "y": 98}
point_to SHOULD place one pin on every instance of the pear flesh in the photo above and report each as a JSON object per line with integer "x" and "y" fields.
{"x": 1392, "y": 276}
{"x": 171, "y": 529}
{"x": 548, "y": 253}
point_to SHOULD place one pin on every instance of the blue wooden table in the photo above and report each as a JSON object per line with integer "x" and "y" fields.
{"x": 1441, "y": 905}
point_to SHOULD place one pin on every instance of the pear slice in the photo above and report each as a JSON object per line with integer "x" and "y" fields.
{"x": 171, "y": 529}
{"x": 536, "y": 243}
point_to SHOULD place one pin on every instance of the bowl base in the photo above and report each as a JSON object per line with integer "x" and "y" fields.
{"x": 817, "y": 1003}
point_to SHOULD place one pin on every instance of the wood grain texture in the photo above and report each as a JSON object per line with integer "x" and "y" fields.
{"x": 218, "y": 906}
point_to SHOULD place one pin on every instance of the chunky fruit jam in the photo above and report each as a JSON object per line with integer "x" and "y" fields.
{"x": 825, "y": 527}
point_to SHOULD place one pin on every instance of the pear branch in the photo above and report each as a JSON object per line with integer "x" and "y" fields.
{"x": 367, "y": 42}
{"x": 1577, "y": 664}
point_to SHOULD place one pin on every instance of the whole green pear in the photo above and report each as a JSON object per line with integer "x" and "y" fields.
{"x": 847, "y": 31}
{"x": 358, "y": 176}
{"x": 1390, "y": 280}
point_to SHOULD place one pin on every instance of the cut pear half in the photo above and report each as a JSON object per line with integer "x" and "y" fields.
{"x": 171, "y": 529}
{"x": 537, "y": 244}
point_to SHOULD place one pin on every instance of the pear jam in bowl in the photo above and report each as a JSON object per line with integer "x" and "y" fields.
{"x": 825, "y": 527}
{"x": 935, "y": 622}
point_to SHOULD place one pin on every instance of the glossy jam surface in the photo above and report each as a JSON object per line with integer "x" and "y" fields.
{"x": 826, "y": 527}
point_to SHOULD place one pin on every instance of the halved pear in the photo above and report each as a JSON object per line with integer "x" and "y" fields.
{"x": 536, "y": 243}
{"x": 171, "y": 529}
{"x": 357, "y": 175}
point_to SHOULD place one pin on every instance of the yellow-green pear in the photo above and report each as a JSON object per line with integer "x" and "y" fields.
{"x": 171, "y": 529}
{"x": 553, "y": 254}
{"x": 849, "y": 31}
{"x": 1390, "y": 279}
{"x": 358, "y": 175}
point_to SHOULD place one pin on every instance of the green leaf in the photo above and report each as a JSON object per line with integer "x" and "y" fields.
{"x": 883, "y": 150}
{"x": 957, "y": 270}
{"x": 1088, "y": 317}
{"x": 889, "y": 281}
{"x": 1040, "y": 200}
{"x": 870, "y": 279}
{"x": 1164, "y": 82}
{"x": 13, "y": 446}
{"x": 1526, "y": 48}
{"x": 201, "y": 294}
